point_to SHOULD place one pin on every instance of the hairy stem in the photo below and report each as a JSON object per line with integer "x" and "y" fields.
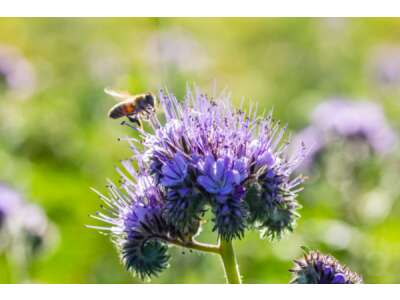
{"x": 195, "y": 245}
{"x": 229, "y": 261}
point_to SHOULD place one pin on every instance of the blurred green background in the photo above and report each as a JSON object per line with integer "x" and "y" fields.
{"x": 56, "y": 141}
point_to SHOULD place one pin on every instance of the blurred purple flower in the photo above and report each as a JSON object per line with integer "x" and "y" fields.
{"x": 10, "y": 203}
{"x": 16, "y": 72}
{"x": 314, "y": 139}
{"x": 361, "y": 119}
{"x": 34, "y": 220}
{"x": 18, "y": 217}
{"x": 384, "y": 65}
{"x": 349, "y": 120}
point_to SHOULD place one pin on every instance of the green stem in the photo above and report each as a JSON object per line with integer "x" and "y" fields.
{"x": 229, "y": 261}
{"x": 195, "y": 245}
{"x": 223, "y": 249}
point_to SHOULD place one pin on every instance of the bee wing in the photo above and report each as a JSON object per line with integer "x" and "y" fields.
{"x": 117, "y": 94}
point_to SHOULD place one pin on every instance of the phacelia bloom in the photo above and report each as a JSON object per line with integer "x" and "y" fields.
{"x": 19, "y": 217}
{"x": 16, "y": 73}
{"x": 36, "y": 227}
{"x": 317, "y": 268}
{"x": 316, "y": 143}
{"x": 348, "y": 120}
{"x": 10, "y": 203}
{"x": 206, "y": 155}
{"x": 137, "y": 225}
{"x": 384, "y": 65}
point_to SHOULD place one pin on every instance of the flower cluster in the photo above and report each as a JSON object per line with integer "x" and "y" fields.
{"x": 317, "y": 268}
{"x": 21, "y": 222}
{"x": 205, "y": 156}
{"x": 349, "y": 120}
{"x": 384, "y": 65}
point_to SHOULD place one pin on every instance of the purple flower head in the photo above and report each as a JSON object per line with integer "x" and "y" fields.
{"x": 384, "y": 65}
{"x": 136, "y": 225}
{"x": 35, "y": 226}
{"x": 261, "y": 153}
{"x": 207, "y": 155}
{"x": 350, "y": 121}
{"x": 355, "y": 120}
{"x": 184, "y": 203}
{"x": 10, "y": 203}
{"x": 16, "y": 73}
{"x": 174, "y": 171}
{"x": 317, "y": 268}
{"x": 23, "y": 220}
{"x": 221, "y": 179}
{"x": 315, "y": 141}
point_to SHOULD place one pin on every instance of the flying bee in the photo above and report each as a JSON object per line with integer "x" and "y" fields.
{"x": 133, "y": 107}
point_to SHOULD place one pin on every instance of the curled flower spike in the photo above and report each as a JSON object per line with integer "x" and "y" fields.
{"x": 137, "y": 226}
{"x": 317, "y": 268}
{"x": 206, "y": 155}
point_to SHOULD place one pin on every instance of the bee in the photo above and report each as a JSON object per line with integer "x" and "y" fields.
{"x": 133, "y": 107}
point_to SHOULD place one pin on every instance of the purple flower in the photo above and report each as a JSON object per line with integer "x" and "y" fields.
{"x": 10, "y": 203}
{"x": 317, "y": 268}
{"x": 16, "y": 72}
{"x": 384, "y": 65}
{"x": 207, "y": 152}
{"x": 184, "y": 202}
{"x": 136, "y": 224}
{"x": 355, "y": 120}
{"x": 35, "y": 227}
{"x": 348, "y": 120}
{"x": 219, "y": 177}
{"x": 315, "y": 140}
{"x": 174, "y": 171}
{"x": 204, "y": 155}
{"x": 23, "y": 220}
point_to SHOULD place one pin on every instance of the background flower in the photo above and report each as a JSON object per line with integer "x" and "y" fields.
{"x": 16, "y": 73}
{"x": 25, "y": 231}
{"x": 351, "y": 121}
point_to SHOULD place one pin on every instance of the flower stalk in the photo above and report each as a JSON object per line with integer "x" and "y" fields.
{"x": 224, "y": 249}
{"x": 231, "y": 266}
{"x": 195, "y": 245}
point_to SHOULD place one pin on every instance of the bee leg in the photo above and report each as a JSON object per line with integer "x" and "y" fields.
{"x": 148, "y": 111}
{"x": 135, "y": 120}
